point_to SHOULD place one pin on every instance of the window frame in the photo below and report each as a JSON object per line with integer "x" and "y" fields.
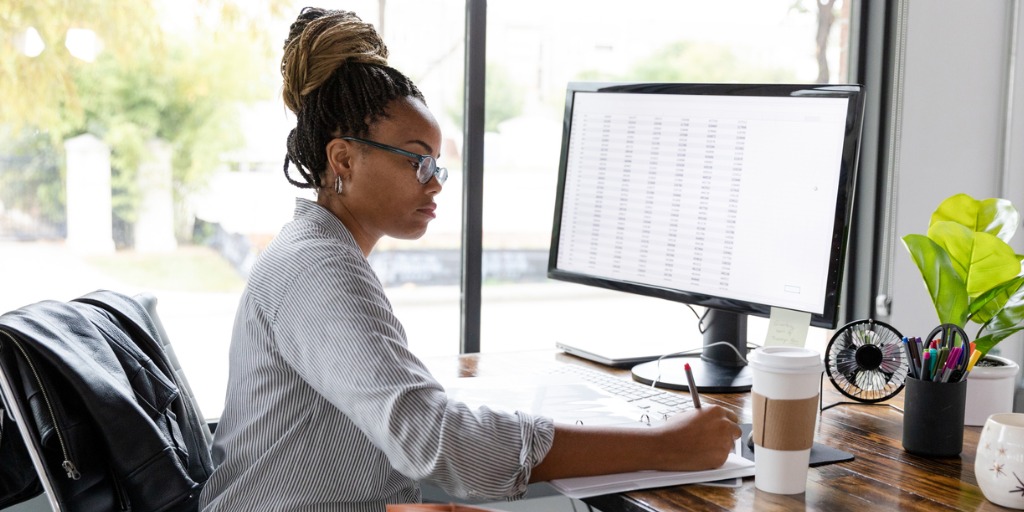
{"x": 872, "y": 54}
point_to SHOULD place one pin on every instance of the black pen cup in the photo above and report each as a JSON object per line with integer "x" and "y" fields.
{"x": 933, "y": 417}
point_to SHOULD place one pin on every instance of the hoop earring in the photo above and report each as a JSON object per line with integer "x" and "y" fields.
{"x": 337, "y": 185}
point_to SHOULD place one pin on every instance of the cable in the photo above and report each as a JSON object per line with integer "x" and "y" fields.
{"x": 657, "y": 377}
{"x": 700, "y": 317}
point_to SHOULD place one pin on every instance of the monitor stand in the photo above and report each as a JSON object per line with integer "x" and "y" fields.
{"x": 719, "y": 368}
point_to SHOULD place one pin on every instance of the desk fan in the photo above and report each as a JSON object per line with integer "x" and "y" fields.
{"x": 866, "y": 362}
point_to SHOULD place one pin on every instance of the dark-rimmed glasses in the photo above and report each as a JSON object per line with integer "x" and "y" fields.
{"x": 426, "y": 165}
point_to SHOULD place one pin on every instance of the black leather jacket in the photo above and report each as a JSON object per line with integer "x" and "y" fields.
{"x": 116, "y": 432}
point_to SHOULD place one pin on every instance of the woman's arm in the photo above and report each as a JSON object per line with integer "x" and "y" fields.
{"x": 695, "y": 440}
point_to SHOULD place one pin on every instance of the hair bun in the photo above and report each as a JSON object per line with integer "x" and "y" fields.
{"x": 321, "y": 40}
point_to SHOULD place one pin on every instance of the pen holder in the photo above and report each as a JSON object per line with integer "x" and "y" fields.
{"x": 933, "y": 417}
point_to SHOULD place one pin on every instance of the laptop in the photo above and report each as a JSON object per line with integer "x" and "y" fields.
{"x": 622, "y": 353}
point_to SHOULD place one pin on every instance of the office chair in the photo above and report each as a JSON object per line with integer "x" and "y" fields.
{"x": 104, "y": 413}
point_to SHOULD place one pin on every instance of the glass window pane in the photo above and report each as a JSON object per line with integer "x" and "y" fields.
{"x": 530, "y": 59}
{"x": 422, "y": 277}
{"x": 115, "y": 209}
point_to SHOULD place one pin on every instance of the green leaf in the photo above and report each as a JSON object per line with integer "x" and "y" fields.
{"x": 981, "y": 259}
{"x": 1006, "y": 322}
{"x": 985, "y": 343}
{"x": 945, "y": 286}
{"x": 986, "y": 305}
{"x": 994, "y": 216}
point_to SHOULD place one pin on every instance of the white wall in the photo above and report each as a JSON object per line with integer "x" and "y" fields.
{"x": 953, "y": 129}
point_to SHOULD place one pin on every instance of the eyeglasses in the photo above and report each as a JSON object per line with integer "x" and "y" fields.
{"x": 426, "y": 165}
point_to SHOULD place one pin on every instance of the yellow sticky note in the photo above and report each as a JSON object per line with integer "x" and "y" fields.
{"x": 787, "y": 328}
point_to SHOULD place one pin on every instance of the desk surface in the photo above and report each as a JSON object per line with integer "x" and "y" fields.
{"x": 881, "y": 476}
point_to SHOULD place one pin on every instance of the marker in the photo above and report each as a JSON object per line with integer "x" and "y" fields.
{"x": 940, "y": 362}
{"x": 693, "y": 386}
{"x": 951, "y": 363}
{"x": 974, "y": 359}
{"x": 926, "y": 364}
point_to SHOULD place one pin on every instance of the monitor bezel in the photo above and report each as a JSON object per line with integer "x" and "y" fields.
{"x": 844, "y": 204}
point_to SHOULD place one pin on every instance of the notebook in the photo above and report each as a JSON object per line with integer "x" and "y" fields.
{"x": 569, "y": 398}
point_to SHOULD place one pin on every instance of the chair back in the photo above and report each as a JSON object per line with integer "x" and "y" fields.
{"x": 98, "y": 412}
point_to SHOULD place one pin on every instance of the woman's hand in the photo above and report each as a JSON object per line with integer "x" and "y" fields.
{"x": 694, "y": 440}
{"x": 697, "y": 439}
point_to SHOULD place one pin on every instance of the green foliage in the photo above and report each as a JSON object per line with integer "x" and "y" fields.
{"x": 682, "y": 61}
{"x": 502, "y": 99}
{"x": 181, "y": 86}
{"x": 38, "y": 90}
{"x": 32, "y": 180}
{"x": 186, "y": 94}
{"x": 686, "y": 61}
{"x": 41, "y": 91}
{"x": 971, "y": 272}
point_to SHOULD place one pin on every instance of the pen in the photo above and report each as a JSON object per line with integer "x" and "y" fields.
{"x": 915, "y": 346}
{"x": 693, "y": 386}
{"x": 910, "y": 357}
{"x": 915, "y": 350}
{"x": 919, "y": 350}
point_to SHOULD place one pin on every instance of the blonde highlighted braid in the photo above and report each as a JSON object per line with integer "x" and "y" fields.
{"x": 337, "y": 82}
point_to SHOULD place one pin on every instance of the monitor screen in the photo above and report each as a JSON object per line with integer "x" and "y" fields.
{"x": 735, "y": 197}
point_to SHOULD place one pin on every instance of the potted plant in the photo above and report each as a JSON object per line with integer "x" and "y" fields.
{"x": 974, "y": 277}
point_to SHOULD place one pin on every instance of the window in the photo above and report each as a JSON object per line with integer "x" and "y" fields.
{"x": 184, "y": 218}
{"x": 530, "y": 58}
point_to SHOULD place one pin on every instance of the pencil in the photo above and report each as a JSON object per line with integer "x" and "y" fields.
{"x": 693, "y": 386}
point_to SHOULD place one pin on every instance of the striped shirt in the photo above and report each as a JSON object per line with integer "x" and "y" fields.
{"x": 326, "y": 407}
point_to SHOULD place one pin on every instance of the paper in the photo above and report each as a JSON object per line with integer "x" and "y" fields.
{"x": 735, "y": 467}
{"x": 563, "y": 398}
{"x": 568, "y": 399}
{"x": 787, "y": 328}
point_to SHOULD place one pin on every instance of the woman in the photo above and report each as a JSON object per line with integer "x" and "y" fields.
{"x": 326, "y": 408}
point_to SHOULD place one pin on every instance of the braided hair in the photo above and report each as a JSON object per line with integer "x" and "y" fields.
{"x": 337, "y": 82}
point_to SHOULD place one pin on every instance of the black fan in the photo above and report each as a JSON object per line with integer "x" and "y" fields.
{"x": 866, "y": 361}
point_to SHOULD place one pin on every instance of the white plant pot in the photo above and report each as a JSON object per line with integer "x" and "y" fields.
{"x": 990, "y": 390}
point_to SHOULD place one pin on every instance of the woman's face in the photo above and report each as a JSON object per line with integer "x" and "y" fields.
{"x": 381, "y": 193}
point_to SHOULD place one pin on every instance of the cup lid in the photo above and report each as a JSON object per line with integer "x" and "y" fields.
{"x": 782, "y": 359}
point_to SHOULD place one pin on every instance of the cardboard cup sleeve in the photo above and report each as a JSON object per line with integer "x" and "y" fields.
{"x": 784, "y": 424}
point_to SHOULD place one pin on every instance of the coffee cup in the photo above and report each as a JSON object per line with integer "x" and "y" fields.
{"x": 999, "y": 463}
{"x": 785, "y": 387}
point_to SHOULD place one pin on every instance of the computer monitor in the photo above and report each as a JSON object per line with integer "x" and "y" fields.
{"x": 734, "y": 197}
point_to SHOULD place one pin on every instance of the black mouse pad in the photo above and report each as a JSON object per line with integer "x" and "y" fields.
{"x": 820, "y": 454}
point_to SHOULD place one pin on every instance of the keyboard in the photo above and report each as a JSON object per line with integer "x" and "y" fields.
{"x": 657, "y": 403}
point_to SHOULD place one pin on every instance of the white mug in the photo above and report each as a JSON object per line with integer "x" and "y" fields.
{"x": 999, "y": 463}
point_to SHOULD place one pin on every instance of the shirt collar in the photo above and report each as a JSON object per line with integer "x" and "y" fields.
{"x": 310, "y": 211}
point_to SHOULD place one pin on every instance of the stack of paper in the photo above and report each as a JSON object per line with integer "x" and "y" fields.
{"x": 735, "y": 467}
{"x": 567, "y": 399}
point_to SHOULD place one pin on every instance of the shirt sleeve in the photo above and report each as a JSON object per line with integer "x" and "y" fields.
{"x": 338, "y": 332}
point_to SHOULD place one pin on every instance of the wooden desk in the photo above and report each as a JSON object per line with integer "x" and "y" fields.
{"x": 881, "y": 477}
